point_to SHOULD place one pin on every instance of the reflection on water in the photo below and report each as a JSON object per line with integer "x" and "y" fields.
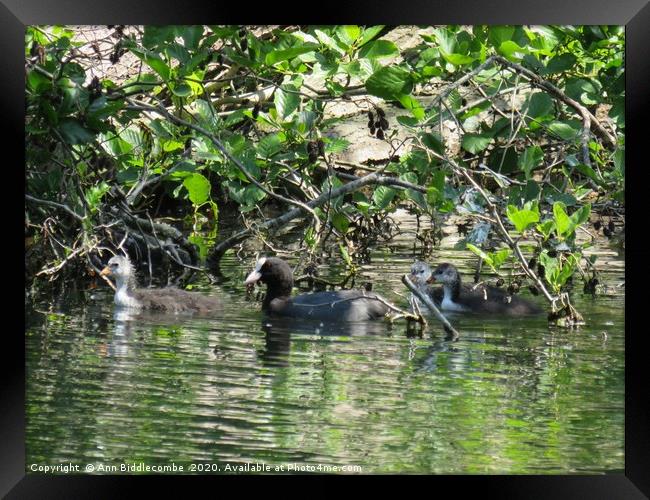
{"x": 508, "y": 396}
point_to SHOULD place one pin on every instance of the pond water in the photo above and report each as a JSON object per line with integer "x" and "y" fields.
{"x": 239, "y": 392}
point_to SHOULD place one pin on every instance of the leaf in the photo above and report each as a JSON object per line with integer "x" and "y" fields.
{"x": 390, "y": 82}
{"x": 499, "y": 257}
{"x": 270, "y": 145}
{"x": 457, "y": 59}
{"x": 328, "y": 41}
{"x": 433, "y": 142}
{"x": 382, "y": 196}
{"x": 539, "y": 104}
{"x": 511, "y": 51}
{"x": 475, "y": 143}
{"x": 155, "y": 62}
{"x": 562, "y": 220}
{"x": 191, "y": 35}
{"x": 198, "y": 188}
{"x": 530, "y": 159}
{"x": 580, "y": 216}
{"x": 563, "y": 130}
{"x": 587, "y": 171}
{"x": 369, "y": 34}
{"x": 523, "y": 218}
{"x": 582, "y": 90}
{"x": 480, "y": 253}
{"x": 345, "y": 254}
{"x": 38, "y": 82}
{"x": 551, "y": 270}
{"x": 340, "y": 222}
{"x": 285, "y": 54}
{"x": 412, "y": 104}
{"x": 499, "y": 34}
{"x": 73, "y": 132}
{"x": 348, "y": 33}
{"x": 180, "y": 89}
{"x": 561, "y": 63}
{"x": 336, "y": 145}
{"x": 286, "y": 102}
{"x": 379, "y": 49}
{"x": 546, "y": 228}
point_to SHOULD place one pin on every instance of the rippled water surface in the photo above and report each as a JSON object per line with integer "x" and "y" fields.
{"x": 509, "y": 396}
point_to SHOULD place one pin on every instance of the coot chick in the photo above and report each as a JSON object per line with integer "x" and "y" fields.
{"x": 343, "y": 305}
{"x": 420, "y": 277}
{"x": 484, "y": 299}
{"x": 171, "y": 300}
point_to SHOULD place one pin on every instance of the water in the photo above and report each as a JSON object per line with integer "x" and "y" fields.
{"x": 240, "y": 390}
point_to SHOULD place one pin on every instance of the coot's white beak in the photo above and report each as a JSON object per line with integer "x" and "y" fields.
{"x": 253, "y": 277}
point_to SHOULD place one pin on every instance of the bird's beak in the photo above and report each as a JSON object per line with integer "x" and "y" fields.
{"x": 432, "y": 279}
{"x": 105, "y": 272}
{"x": 253, "y": 277}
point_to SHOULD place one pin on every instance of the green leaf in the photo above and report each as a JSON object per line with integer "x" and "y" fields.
{"x": 369, "y": 34}
{"x": 340, "y": 222}
{"x": 328, "y": 41}
{"x": 546, "y": 228}
{"x": 271, "y": 144}
{"x": 530, "y": 159}
{"x": 457, "y": 59}
{"x": 539, "y": 104}
{"x": 155, "y": 62}
{"x": 285, "y": 54}
{"x": 480, "y": 253}
{"x": 73, "y": 132}
{"x": 523, "y": 218}
{"x": 412, "y": 104}
{"x": 38, "y": 82}
{"x": 391, "y": 83}
{"x": 191, "y": 35}
{"x": 499, "y": 257}
{"x": 580, "y": 216}
{"x": 551, "y": 269}
{"x": 180, "y": 89}
{"x": 562, "y": 220}
{"x": 345, "y": 254}
{"x": 561, "y": 63}
{"x": 379, "y": 49}
{"x": 587, "y": 171}
{"x": 348, "y": 33}
{"x": 286, "y": 102}
{"x": 499, "y": 34}
{"x": 198, "y": 188}
{"x": 511, "y": 51}
{"x": 584, "y": 91}
{"x": 563, "y": 130}
{"x": 382, "y": 196}
{"x": 475, "y": 143}
{"x": 433, "y": 142}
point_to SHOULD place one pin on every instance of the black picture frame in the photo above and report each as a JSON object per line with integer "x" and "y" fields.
{"x": 15, "y": 15}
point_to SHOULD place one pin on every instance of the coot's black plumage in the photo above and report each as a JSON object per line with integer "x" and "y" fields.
{"x": 343, "y": 305}
{"x": 484, "y": 299}
{"x": 170, "y": 300}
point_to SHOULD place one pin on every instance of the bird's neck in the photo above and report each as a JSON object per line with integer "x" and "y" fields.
{"x": 275, "y": 290}
{"x": 124, "y": 293}
{"x": 452, "y": 290}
